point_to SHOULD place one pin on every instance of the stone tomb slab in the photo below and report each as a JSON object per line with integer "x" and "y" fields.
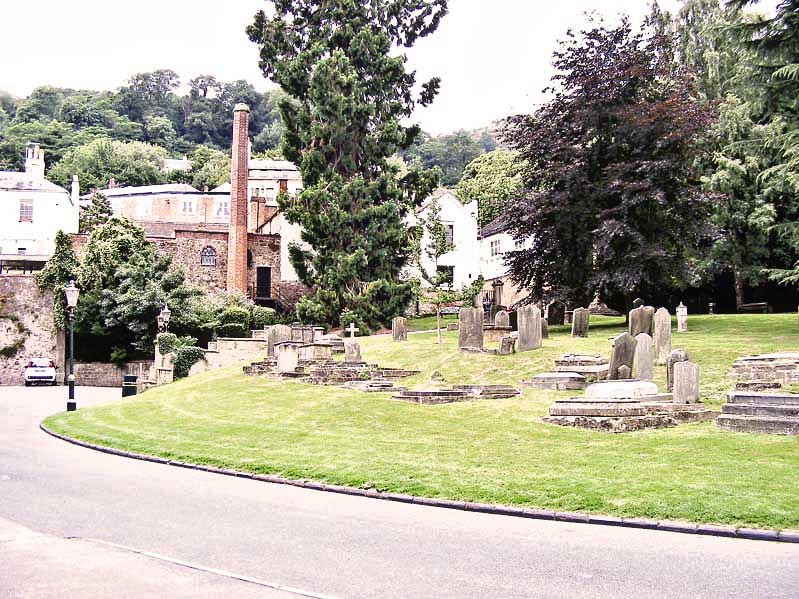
{"x": 557, "y": 381}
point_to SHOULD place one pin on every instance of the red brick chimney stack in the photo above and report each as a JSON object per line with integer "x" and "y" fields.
{"x": 239, "y": 172}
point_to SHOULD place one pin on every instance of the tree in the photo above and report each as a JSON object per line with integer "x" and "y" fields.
{"x": 612, "y": 202}
{"x": 450, "y": 153}
{"x": 95, "y": 214}
{"x": 347, "y": 95}
{"x": 493, "y": 180}
{"x": 61, "y": 268}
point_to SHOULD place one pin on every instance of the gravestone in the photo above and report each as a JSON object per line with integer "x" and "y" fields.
{"x": 676, "y": 355}
{"x": 641, "y": 320}
{"x": 399, "y": 329}
{"x": 452, "y": 326}
{"x": 319, "y": 350}
{"x": 318, "y": 333}
{"x": 544, "y": 328}
{"x": 277, "y": 334}
{"x": 287, "y": 358}
{"x": 580, "y": 318}
{"x": 643, "y": 366}
{"x": 352, "y": 329}
{"x": 556, "y": 312}
{"x": 507, "y": 346}
{"x": 501, "y": 319}
{"x": 686, "y": 382}
{"x": 470, "y": 328}
{"x": 622, "y": 353}
{"x": 682, "y": 318}
{"x": 529, "y": 327}
{"x": 352, "y": 352}
{"x": 638, "y": 302}
{"x": 662, "y": 336}
{"x": 625, "y": 372}
{"x": 302, "y": 333}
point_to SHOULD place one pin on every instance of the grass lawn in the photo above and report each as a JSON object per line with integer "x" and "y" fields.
{"x": 495, "y": 451}
{"x": 428, "y": 323}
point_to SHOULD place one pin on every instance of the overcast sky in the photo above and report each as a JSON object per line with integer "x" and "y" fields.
{"x": 493, "y": 56}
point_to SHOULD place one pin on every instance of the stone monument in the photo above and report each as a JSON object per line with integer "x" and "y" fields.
{"x": 682, "y": 318}
{"x": 641, "y": 320}
{"x": 277, "y": 334}
{"x": 662, "y": 336}
{"x": 399, "y": 329}
{"x": 529, "y": 327}
{"x": 686, "y": 382}
{"x": 470, "y": 329}
{"x": 676, "y": 355}
{"x": 288, "y": 357}
{"x": 580, "y": 318}
{"x": 501, "y": 319}
{"x": 621, "y": 354}
{"x": 643, "y": 366}
{"x": 555, "y": 312}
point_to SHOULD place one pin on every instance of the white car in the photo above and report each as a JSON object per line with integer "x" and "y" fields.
{"x": 39, "y": 370}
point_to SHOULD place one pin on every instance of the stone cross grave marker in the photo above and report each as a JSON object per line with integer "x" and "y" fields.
{"x": 352, "y": 329}
{"x": 580, "y": 318}
{"x": 643, "y": 366}
{"x": 399, "y": 328}
{"x": 529, "y": 321}
{"x": 682, "y": 318}
{"x": 622, "y": 353}
{"x": 686, "y": 382}
{"x": 555, "y": 312}
{"x": 470, "y": 328}
{"x": 662, "y": 336}
{"x": 676, "y": 355}
{"x": 501, "y": 319}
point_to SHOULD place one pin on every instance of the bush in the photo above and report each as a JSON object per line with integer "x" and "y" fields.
{"x": 261, "y": 317}
{"x": 235, "y": 330}
{"x": 235, "y": 315}
{"x": 348, "y": 316}
{"x": 167, "y": 342}
{"x": 184, "y": 358}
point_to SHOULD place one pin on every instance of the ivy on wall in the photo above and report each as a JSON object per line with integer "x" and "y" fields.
{"x": 12, "y": 349}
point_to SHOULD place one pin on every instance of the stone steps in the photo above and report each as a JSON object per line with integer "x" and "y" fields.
{"x": 765, "y": 398}
{"x": 776, "y": 410}
{"x": 760, "y": 412}
{"x": 759, "y": 424}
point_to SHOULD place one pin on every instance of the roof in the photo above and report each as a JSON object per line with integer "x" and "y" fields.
{"x": 169, "y": 188}
{"x": 496, "y": 226}
{"x": 14, "y": 181}
{"x": 272, "y": 165}
{"x": 167, "y": 230}
{"x": 437, "y": 195}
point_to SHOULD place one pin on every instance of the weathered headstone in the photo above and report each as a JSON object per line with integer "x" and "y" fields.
{"x": 544, "y": 328}
{"x": 642, "y": 363}
{"x": 686, "y": 382}
{"x": 621, "y": 354}
{"x": 301, "y": 332}
{"x": 529, "y": 327}
{"x": 287, "y": 358}
{"x": 682, "y": 318}
{"x": 676, "y": 355}
{"x": 452, "y": 326}
{"x": 470, "y": 328}
{"x": 277, "y": 334}
{"x": 507, "y": 345}
{"x": 399, "y": 328}
{"x": 501, "y": 319}
{"x": 625, "y": 372}
{"x": 641, "y": 320}
{"x": 662, "y": 336}
{"x": 556, "y": 312}
{"x": 352, "y": 352}
{"x": 580, "y": 318}
{"x": 318, "y": 333}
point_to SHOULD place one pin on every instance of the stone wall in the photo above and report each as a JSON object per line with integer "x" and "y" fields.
{"x": 33, "y": 310}
{"x": 104, "y": 374}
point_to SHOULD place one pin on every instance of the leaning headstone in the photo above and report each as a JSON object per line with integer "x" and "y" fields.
{"x": 544, "y": 328}
{"x": 682, "y": 318}
{"x": 529, "y": 327}
{"x": 662, "y": 336}
{"x": 287, "y": 358}
{"x": 580, "y": 318}
{"x": 507, "y": 345}
{"x": 621, "y": 354}
{"x": 352, "y": 352}
{"x": 470, "y": 328}
{"x": 277, "y": 334}
{"x": 676, "y": 356}
{"x": 686, "y": 382}
{"x": 643, "y": 366}
{"x": 641, "y": 320}
{"x": 399, "y": 328}
{"x": 501, "y": 319}
{"x": 556, "y": 312}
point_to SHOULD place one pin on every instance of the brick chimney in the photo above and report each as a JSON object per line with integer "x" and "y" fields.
{"x": 239, "y": 173}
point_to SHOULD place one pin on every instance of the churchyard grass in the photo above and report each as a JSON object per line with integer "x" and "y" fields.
{"x": 428, "y": 323}
{"x": 493, "y": 451}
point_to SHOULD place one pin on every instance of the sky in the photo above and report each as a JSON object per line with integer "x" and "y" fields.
{"x": 493, "y": 56}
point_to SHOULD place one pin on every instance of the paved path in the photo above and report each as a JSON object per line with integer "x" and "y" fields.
{"x": 326, "y": 544}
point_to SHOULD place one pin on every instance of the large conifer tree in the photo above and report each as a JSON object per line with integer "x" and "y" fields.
{"x": 347, "y": 94}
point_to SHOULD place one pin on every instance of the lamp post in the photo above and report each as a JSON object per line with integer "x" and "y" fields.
{"x": 71, "y": 292}
{"x": 163, "y": 319}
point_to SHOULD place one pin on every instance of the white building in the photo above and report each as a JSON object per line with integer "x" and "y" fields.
{"x": 495, "y": 242}
{"x": 32, "y": 210}
{"x": 460, "y": 221}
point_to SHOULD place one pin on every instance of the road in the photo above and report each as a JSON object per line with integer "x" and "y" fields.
{"x": 55, "y": 496}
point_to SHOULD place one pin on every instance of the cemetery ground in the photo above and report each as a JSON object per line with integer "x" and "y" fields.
{"x": 490, "y": 451}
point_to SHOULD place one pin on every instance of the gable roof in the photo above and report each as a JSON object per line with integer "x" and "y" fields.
{"x": 437, "y": 195}
{"x": 13, "y": 181}
{"x": 496, "y": 226}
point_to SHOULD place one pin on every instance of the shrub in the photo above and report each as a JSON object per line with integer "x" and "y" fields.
{"x": 167, "y": 342}
{"x": 184, "y": 358}
{"x": 232, "y": 330}
{"x": 261, "y": 317}
{"x": 235, "y": 315}
{"x": 348, "y": 316}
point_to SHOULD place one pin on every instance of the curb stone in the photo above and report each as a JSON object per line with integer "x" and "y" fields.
{"x": 754, "y": 534}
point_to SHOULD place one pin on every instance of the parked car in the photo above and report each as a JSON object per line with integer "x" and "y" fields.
{"x": 39, "y": 370}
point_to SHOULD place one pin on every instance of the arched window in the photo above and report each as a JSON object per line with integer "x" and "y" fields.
{"x": 208, "y": 256}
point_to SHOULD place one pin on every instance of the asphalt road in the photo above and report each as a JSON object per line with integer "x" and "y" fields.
{"x": 324, "y": 544}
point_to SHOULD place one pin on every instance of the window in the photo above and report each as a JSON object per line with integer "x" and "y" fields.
{"x": 22, "y": 251}
{"x": 222, "y": 207}
{"x": 448, "y": 272}
{"x": 208, "y": 256}
{"x": 26, "y": 211}
{"x": 519, "y": 245}
{"x": 449, "y": 232}
{"x": 495, "y": 248}
{"x": 187, "y": 206}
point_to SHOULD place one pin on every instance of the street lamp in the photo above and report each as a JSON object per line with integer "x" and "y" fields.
{"x": 71, "y": 292}
{"x": 163, "y": 319}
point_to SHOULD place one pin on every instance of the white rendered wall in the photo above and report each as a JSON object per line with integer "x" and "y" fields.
{"x": 52, "y": 210}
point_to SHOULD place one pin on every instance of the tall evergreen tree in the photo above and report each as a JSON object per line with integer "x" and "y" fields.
{"x": 346, "y": 97}
{"x": 95, "y": 214}
{"x": 61, "y": 268}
